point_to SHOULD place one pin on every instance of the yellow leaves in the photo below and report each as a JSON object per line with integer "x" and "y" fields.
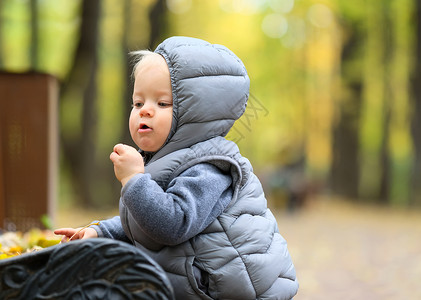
{"x": 15, "y": 250}
{"x": 4, "y": 255}
{"x": 16, "y": 243}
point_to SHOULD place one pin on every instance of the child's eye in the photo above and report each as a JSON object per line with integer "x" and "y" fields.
{"x": 164, "y": 104}
{"x": 137, "y": 104}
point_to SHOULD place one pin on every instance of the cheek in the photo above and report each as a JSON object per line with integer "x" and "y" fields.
{"x": 132, "y": 123}
{"x": 169, "y": 119}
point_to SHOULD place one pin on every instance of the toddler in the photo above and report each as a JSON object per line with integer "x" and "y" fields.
{"x": 189, "y": 199}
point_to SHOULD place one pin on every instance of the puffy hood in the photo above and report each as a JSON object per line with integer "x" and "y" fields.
{"x": 210, "y": 88}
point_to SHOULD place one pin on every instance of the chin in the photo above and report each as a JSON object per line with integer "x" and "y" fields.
{"x": 148, "y": 149}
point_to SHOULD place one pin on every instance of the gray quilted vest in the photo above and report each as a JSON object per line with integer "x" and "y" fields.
{"x": 241, "y": 254}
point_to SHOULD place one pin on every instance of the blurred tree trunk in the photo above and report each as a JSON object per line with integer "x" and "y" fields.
{"x": 128, "y": 91}
{"x": 399, "y": 75}
{"x": 345, "y": 161}
{"x": 384, "y": 188}
{"x": 361, "y": 156}
{"x": 34, "y": 34}
{"x": 80, "y": 150}
{"x": 374, "y": 152}
{"x": 158, "y": 23}
{"x": 416, "y": 116}
{"x": 385, "y": 155}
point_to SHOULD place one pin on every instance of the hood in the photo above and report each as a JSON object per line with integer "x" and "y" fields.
{"x": 210, "y": 88}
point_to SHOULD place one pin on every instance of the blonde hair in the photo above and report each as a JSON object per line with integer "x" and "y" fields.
{"x": 137, "y": 57}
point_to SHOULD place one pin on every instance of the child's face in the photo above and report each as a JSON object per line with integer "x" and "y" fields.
{"x": 151, "y": 116}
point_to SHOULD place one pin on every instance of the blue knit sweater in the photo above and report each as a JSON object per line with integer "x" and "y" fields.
{"x": 192, "y": 201}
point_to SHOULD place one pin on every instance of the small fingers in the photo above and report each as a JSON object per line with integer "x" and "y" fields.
{"x": 119, "y": 148}
{"x": 113, "y": 156}
{"x": 66, "y": 232}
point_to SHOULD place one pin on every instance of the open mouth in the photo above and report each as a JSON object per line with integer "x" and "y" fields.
{"x": 144, "y": 127}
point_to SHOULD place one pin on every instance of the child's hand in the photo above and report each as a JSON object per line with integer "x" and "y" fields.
{"x": 127, "y": 162}
{"x": 76, "y": 233}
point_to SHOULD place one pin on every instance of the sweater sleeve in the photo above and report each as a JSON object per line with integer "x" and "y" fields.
{"x": 111, "y": 228}
{"x": 192, "y": 201}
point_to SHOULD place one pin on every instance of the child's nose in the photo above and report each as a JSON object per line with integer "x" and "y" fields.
{"x": 146, "y": 110}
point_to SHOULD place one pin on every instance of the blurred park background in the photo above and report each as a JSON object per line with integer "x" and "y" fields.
{"x": 333, "y": 125}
